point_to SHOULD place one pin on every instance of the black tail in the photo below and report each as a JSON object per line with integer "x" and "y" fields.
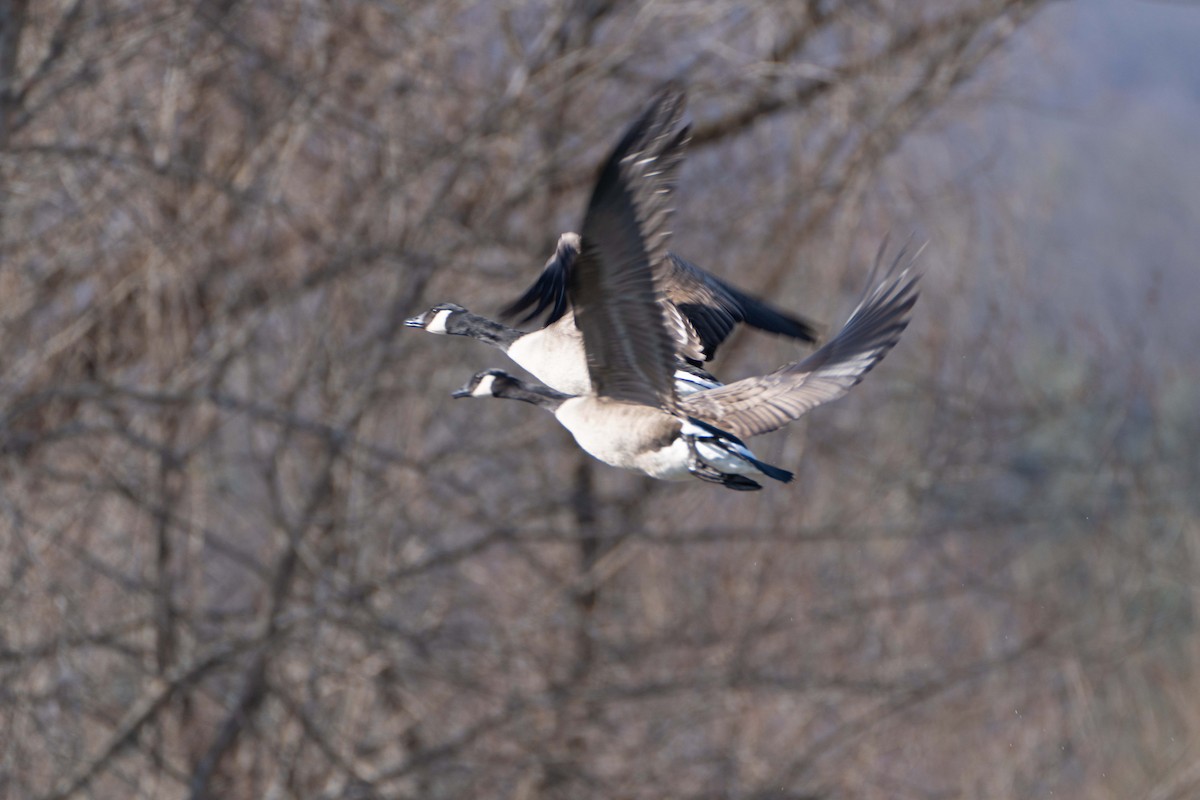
{"x": 778, "y": 473}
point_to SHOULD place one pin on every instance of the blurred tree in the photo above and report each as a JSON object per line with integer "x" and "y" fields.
{"x": 248, "y": 550}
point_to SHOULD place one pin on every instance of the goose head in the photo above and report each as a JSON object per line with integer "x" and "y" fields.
{"x": 443, "y": 318}
{"x": 498, "y": 383}
{"x": 488, "y": 383}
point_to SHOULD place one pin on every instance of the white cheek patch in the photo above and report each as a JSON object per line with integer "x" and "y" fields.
{"x": 438, "y": 323}
{"x": 484, "y": 388}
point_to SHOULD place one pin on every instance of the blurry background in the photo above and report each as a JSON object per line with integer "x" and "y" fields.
{"x": 249, "y": 548}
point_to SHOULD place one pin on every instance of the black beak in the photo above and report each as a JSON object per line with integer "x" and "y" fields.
{"x": 463, "y": 392}
{"x": 415, "y": 322}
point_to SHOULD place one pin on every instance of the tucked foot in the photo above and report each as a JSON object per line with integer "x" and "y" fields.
{"x": 740, "y": 483}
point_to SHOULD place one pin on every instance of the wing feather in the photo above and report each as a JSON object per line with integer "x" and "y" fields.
{"x": 613, "y": 285}
{"x": 766, "y": 402}
{"x": 550, "y": 289}
{"x": 704, "y": 309}
{"x": 714, "y": 307}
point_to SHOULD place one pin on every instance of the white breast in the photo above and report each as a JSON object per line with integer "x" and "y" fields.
{"x": 555, "y": 356}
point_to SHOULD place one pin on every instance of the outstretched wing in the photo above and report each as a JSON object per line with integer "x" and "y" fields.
{"x": 550, "y": 289}
{"x": 712, "y": 308}
{"x": 709, "y": 308}
{"x": 613, "y": 286}
{"x": 760, "y": 404}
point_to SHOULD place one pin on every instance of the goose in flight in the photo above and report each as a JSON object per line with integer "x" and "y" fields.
{"x": 702, "y": 309}
{"x": 632, "y": 416}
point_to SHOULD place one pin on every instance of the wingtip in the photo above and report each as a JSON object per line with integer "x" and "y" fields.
{"x": 897, "y": 284}
{"x": 658, "y": 127}
{"x": 671, "y": 94}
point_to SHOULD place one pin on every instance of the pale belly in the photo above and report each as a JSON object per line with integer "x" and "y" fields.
{"x": 669, "y": 463}
{"x": 646, "y": 443}
{"x": 628, "y": 438}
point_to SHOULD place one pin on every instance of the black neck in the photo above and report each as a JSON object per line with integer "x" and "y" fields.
{"x": 486, "y": 330}
{"x": 536, "y": 394}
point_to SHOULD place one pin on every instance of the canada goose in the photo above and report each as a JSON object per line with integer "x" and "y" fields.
{"x": 701, "y": 308}
{"x": 702, "y": 435}
{"x": 642, "y": 438}
{"x": 633, "y": 417}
